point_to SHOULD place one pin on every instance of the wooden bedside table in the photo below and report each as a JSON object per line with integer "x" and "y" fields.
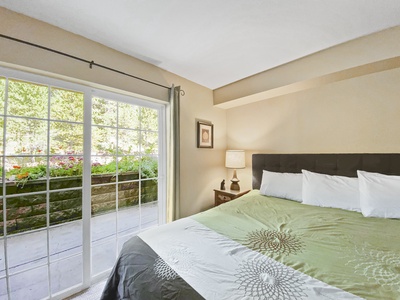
{"x": 223, "y": 196}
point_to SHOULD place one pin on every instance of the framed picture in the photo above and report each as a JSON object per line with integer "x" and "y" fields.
{"x": 205, "y": 135}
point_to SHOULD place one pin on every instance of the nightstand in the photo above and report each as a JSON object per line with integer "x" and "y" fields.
{"x": 223, "y": 196}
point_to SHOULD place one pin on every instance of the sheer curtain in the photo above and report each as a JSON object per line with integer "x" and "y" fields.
{"x": 173, "y": 157}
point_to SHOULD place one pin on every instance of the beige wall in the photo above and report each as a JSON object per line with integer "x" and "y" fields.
{"x": 357, "y": 115}
{"x": 201, "y": 170}
{"x": 343, "y": 99}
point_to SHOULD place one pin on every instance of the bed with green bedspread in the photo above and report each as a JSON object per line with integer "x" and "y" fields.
{"x": 259, "y": 247}
{"x": 341, "y": 248}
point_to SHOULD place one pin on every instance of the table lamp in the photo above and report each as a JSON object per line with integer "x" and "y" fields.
{"x": 235, "y": 159}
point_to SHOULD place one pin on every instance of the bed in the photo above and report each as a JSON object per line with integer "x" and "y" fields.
{"x": 264, "y": 247}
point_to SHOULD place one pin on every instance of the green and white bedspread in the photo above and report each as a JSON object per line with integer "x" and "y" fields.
{"x": 259, "y": 247}
{"x": 341, "y": 248}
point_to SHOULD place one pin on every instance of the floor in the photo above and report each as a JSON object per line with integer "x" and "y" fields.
{"x": 28, "y": 260}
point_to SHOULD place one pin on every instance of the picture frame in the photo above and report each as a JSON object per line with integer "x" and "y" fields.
{"x": 205, "y": 135}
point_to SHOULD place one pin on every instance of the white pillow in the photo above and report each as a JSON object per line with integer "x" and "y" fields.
{"x": 379, "y": 195}
{"x": 282, "y": 185}
{"x": 331, "y": 191}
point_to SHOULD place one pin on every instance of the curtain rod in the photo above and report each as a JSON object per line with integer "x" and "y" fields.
{"x": 91, "y": 63}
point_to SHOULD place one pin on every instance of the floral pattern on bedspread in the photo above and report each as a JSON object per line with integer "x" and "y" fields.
{"x": 266, "y": 279}
{"x": 273, "y": 241}
{"x": 163, "y": 270}
{"x": 377, "y": 266}
{"x": 179, "y": 258}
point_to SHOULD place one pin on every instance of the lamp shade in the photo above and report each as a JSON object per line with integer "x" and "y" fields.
{"x": 235, "y": 159}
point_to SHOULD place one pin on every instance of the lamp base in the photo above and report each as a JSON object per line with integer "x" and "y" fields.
{"x": 235, "y": 186}
{"x": 235, "y": 182}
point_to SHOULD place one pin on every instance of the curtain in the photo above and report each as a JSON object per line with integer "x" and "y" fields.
{"x": 173, "y": 157}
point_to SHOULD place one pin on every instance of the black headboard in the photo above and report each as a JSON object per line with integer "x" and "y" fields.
{"x": 332, "y": 164}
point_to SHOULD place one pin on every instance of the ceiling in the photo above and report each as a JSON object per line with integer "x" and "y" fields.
{"x": 215, "y": 42}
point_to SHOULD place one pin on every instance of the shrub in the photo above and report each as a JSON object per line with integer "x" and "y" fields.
{"x": 66, "y": 166}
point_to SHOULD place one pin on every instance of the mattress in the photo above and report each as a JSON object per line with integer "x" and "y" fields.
{"x": 259, "y": 247}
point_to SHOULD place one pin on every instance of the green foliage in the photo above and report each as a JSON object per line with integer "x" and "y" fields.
{"x": 27, "y": 99}
{"x": 149, "y": 167}
{"x": 2, "y": 90}
{"x": 104, "y": 112}
{"x": 28, "y": 123}
{"x": 22, "y": 175}
{"x": 73, "y": 166}
{"x": 66, "y": 105}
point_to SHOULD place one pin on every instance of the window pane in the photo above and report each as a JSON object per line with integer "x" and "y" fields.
{"x": 65, "y": 171}
{"x": 2, "y": 257}
{"x": 104, "y": 140}
{"x": 149, "y": 118}
{"x": 129, "y": 220}
{"x": 149, "y": 189}
{"x": 65, "y": 206}
{"x": 2, "y": 94}
{"x": 66, "y": 138}
{"x": 104, "y": 112}
{"x": 25, "y": 174}
{"x": 32, "y": 284}
{"x": 150, "y": 143}
{"x": 26, "y": 213}
{"x": 149, "y": 167}
{"x": 128, "y": 168}
{"x": 3, "y": 289}
{"x": 128, "y": 141}
{"x": 103, "y": 165}
{"x": 149, "y": 215}
{"x": 65, "y": 240}
{"x": 103, "y": 255}
{"x": 1, "y": 134}
{"x": 27, "y": 99}
{"x": 103, "y": 199}
{"x": 128, "y": 116}
{"x": 66, "y": 105}
{"x": 128, "y": 194}
{"x": 33, "y": 245}
{"x": 104, "y": 232}
{"x": 26, "y": 136}
{"x": 66, "y": 273}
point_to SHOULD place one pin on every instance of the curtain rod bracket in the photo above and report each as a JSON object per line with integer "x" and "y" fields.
{"x": 91, "y": 64}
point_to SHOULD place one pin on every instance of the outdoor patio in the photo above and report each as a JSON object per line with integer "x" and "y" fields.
{"x": 27, "y": 252}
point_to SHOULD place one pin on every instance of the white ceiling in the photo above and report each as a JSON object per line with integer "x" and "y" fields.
{"x": 215, "y": 42}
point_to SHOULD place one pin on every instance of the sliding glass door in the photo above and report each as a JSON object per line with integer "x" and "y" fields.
{"x": 80, "y": 175}
{"x": 124, "y": 194}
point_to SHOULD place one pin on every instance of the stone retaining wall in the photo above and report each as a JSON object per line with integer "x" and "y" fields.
{"x": 29, "y": 212}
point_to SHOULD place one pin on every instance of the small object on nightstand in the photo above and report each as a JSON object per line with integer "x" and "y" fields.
{"x": 222, "y": 196}
{"x": 222, "y": 185}
{"x": 235, "y": 159}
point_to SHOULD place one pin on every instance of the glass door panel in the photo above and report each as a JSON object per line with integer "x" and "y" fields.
{"x": 42, "y": 189}
{"x": 104, "y": 177}
{"x": 45, "y": 249}
{"x": 131, "y": 133}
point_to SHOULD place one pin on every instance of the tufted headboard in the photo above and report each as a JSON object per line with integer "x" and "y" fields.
{"x": 332, "y": 164}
